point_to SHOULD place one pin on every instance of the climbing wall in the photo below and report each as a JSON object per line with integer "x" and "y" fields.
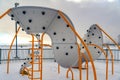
{"x": 35, "y": 20}
{"x": 93, "y": 36}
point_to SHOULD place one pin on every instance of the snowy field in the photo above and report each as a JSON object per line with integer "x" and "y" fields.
{"x": 50, "y": 71}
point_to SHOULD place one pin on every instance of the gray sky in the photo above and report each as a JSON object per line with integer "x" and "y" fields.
{"x": 83, "y": 14}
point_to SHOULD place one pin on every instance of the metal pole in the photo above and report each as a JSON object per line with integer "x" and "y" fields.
{"x": 16, "y": 5}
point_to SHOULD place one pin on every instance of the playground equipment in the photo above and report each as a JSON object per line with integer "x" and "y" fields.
{"x": 68, "y": 52}
{"x": 93, "y": 36}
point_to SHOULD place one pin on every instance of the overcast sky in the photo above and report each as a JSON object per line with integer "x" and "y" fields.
{"x": 83, "y": 14}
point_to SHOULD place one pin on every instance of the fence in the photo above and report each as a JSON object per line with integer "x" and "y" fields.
{"x": 22, "y": 54}
{"x": 116, "y": 54}
{"x": 48, "y": 54}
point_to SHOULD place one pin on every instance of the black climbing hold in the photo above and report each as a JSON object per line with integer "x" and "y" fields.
{"x": 28, "y": 28}
{"x": 43, "y": 27}
{"x": 37, "y": 35}
{"x": 66, "y": 53}
{"x": 71, "y": 47}
{"x": 43, "y": 13}
{"x": 58, "y": 17}
{"x": 12, "y": 19}
{"x": 92, "y": 34}
{"x": 67, "y": 25}
{"x": 87, "y": 30}
{"x": 57, "y": 47}
{"x": 12, "y": 15}
{"x": 24, "y": 12}
{"x": 95, "y": 47}
{"x": 99, "y": 52}
{"x": 87, "y": 35}
{"x": 84, "y": 40}
{"x": 63, "y": 39}
{"x": 94, "y": 27}
{"x": 30, "y": 20}
{"x": 99, "y": 37}
{"x": 18, "y": 22}
{"x": 22, "y": 29}
{"x": 83, "y": 47}
{"x": 21, "y": 65}
{"x": 90, "y": 42}
{"x": 54, "y": 33}
{"x": 24, "y": 63}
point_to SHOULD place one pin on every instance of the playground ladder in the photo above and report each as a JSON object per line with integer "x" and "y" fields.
{"x": 38, "y": 62}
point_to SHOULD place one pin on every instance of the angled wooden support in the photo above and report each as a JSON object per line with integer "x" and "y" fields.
{"x": 111, "y": 53}
{"x": 79, "y": 61}
{"x": 58, "y": 69}
{"x": 109, "y": 36}
{"x": 83, "y": 43}
{"x": 32, "y": 73}
{"x": 87, "y": 74}
{"x": 47, "y": 45}
{"x": 10, "y": 49}
{"x": 5, "y": 13}
{"x": 70, "y": 70}
{"x": 41, "y": 66}
{"x": 105, "y": 54}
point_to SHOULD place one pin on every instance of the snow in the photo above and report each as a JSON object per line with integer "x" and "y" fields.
{"x": 50, "y": 71}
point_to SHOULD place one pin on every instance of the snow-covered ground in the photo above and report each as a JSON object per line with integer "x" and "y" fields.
{"x": 50, "y": 71}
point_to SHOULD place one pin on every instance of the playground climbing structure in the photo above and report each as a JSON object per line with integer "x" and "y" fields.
{"x": 69, "y": 49}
